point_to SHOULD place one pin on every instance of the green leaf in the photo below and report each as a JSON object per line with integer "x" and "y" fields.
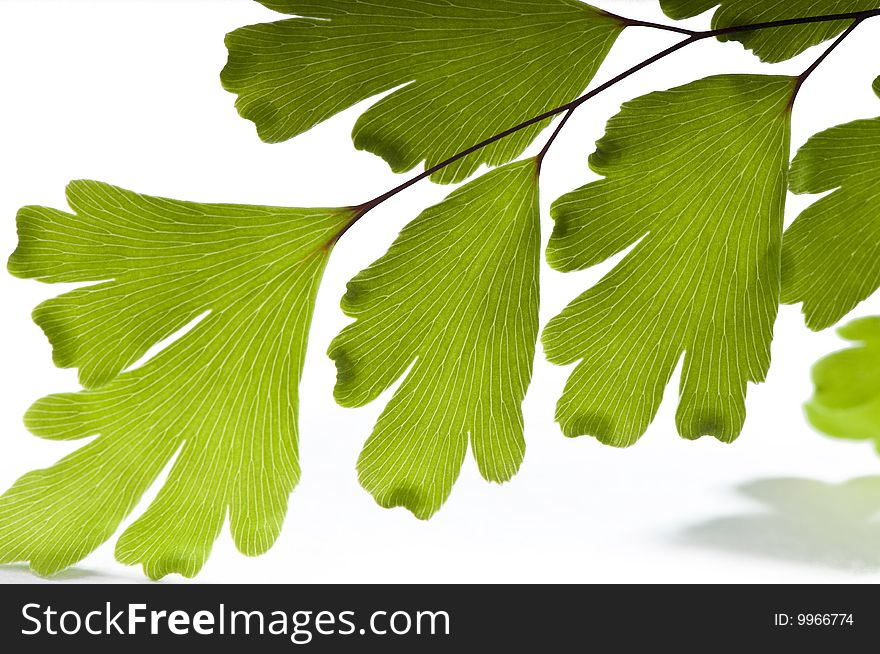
{"x": 695, "y": 177}
{"x": 455, "y": 303}
{"x": 831, "y": 252}
{"x": 774, "y": 44}
{"x": 222, "y": 398}
{"x": 846, "y": 403}
{"x": 462, "y": 70}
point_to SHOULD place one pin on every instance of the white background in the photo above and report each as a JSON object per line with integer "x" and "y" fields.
{"x": 129, "y": 93}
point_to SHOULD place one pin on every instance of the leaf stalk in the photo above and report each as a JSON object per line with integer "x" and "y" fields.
{"x": 359, "y": 211}
{"x": 809, "y": 71}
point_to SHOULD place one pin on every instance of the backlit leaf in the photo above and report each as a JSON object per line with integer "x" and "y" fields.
{"x": 695, "y": 180}
{"x": 222, "y": 398}
{"x": 831, "y": 253}
{"x": 774, "y": 44}
{"x": 453, "y": 309}
{"x": 846, "y": 403}
{"x": 466, "y": 70}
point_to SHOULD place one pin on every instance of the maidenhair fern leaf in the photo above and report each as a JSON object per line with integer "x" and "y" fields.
{"x": 775, "y": 44}
{"x": 454, "y": 302}
{"x": 223, "y": 397}
{"x": 846, "y": 403}
{"x": 468, "y": 69}
{"x": 831, "y": 253}
{"x": 695, "y": 179}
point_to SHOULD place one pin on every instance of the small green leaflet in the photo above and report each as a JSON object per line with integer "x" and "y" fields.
{"x": 463, "y": 70}
{"x": 846, "y": 403}
{"x": 222, "y": 398}
{"x": 831, "y": 253}
{"x": 777, "y": 44}
{"x": 455, "y": 302}
{"x": 695, "y": 177}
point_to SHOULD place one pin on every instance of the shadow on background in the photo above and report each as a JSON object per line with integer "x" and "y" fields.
{"x": 802, "y": 520}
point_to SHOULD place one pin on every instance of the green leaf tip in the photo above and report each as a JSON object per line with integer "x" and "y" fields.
{"x": 695, "y": 181}
{"x": 221, "y": 400}
{"x": 480, "y": 65}
{"x": 452, "y": 307}
{"x": 831, "y": 253}
{"x": 774, "y": 44}
{"x": 846, "y": 400}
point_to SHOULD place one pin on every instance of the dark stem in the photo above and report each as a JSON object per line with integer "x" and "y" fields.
{"x": 569, "y": 108}
{"x": 630, "y": 22}
{"x": 362, "y": 209}
{"x": 553, "y": 137}
{"x": 853, "y": 15}
{"x": 809, "y": 71}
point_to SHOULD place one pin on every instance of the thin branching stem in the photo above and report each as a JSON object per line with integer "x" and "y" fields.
{"x": 631, "y": 22}
{"x": 553, "y": 137}
{"x": 569, "y": 108}
{"x": 809, "y": 71}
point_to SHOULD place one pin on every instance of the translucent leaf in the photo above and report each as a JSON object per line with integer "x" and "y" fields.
{"x": 223, "y": 397}
{"x": 846, "y": 403}
{"x": 831, "y": 253}
{"x": 695, "y": 180}
{"x": 453, "y": 309}
{"x": 774, "y": 44}
{"x": 466, "y": 70}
